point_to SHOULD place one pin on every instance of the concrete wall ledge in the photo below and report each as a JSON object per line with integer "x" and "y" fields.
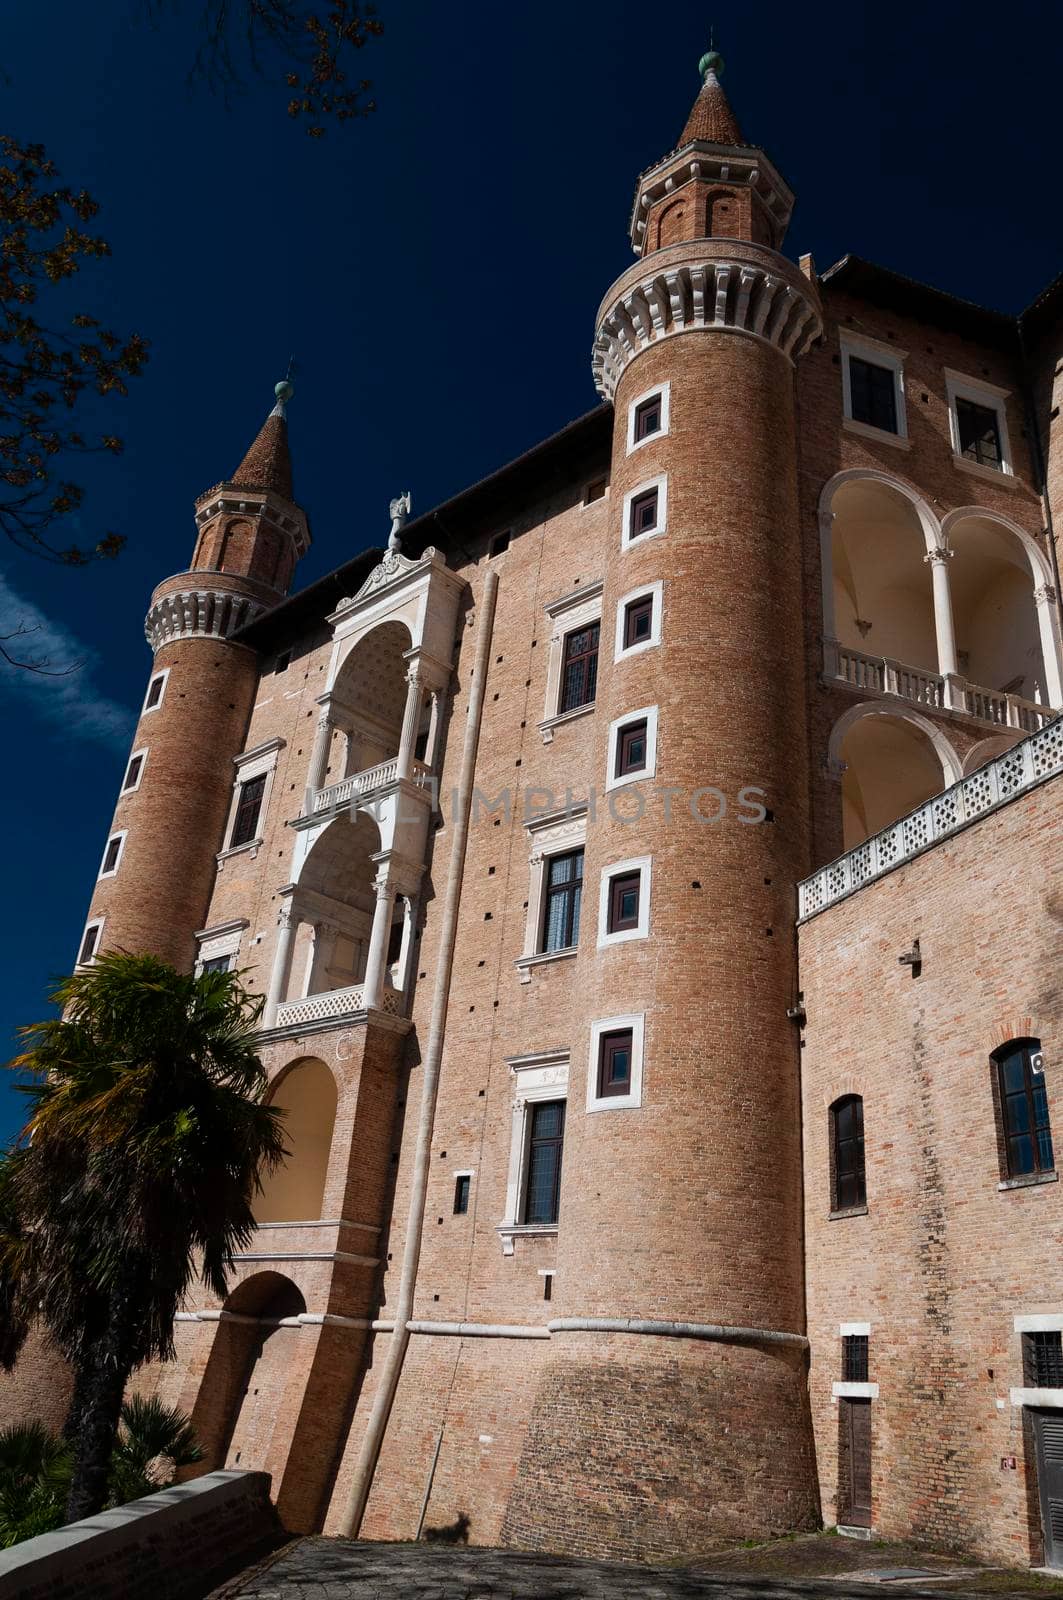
{"x": 174, "y": 1545}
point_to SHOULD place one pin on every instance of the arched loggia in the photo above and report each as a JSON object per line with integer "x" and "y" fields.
{"x": 891, "y": 761}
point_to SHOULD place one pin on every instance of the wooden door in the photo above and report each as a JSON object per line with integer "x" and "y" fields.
{"x": 854, "y": 1488}
{"x": 1048, "y": 1433}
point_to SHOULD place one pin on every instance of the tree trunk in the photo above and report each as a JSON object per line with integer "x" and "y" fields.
{"x": 100, "y": 1383}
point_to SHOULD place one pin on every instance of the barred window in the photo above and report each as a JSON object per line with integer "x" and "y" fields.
{"x": 1042, "y": 1360}
{"x": 855, "y": 1358}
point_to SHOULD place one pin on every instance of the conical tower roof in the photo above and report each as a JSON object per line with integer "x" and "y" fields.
{"x": 711, "y": 117}
{"x": 268, "y": 463}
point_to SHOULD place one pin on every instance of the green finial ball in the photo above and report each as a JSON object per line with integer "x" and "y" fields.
{"x": 711, "y": 61}
{"x": 284, "y": 390}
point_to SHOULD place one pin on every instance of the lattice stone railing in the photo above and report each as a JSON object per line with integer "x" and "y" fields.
{"x": 335, "y": 1003}
{"x": 362, "y": 784}
{"x": 999, "y": 781}
{"x": 882, "y": 675}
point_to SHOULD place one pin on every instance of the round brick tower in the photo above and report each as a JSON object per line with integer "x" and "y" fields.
{"x": 673, "y": 1405}
{"x": 159, "y": 863}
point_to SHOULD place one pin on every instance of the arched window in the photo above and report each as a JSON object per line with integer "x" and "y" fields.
{"x": 848, "y": 1188}
{"x": 1022, "y": 1099}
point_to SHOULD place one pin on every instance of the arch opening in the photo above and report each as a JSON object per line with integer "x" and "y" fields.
{"x": 893, "y": 763}
{"x": 306, "y": 1093}
{"x": 998, "y": 642}
{"x": 368, "y": 698}
{"x": 882, "y": 590}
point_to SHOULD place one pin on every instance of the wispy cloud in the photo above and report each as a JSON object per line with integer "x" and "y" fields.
{"x": 64, "y": 693}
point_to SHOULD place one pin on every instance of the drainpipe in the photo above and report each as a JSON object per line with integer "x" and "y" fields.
{"x": 400, "y": 1338}
{"x": 1040, "y": 464}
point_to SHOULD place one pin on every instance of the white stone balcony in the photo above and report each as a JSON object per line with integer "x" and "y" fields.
{"x": 315, "y": 1008}
{"x": 881, "y": 675}
{"x": 1029, "y": 763}
{"x": 362, "y": 786}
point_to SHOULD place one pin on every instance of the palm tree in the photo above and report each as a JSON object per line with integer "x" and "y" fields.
{"x": 147, "y": 1139}
{"x": 14, "y": 1325}
{"x": 153, "y": 1442}
{"x": 34, "y": 1481}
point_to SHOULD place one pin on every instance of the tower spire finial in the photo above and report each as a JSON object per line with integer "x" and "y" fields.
{"x": 284, "y": 390}
{"x": 711, "y": 118}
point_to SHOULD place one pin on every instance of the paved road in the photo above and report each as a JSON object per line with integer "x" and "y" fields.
{"x": 336, "y": 1569}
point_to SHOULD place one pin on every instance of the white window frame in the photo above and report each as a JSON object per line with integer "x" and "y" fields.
{"x": 665, "y": 392}
{"x": 164, "y": 674}
{"x": 98, "y": 924}
{"x": 571, "y": 613}
{"x": 553, "y": 834}
{"x": 631, "y": 1101}
{"x": 131, "y": 788}
{"x": 538, "y": 1077}
{"x": 461, "y": 1172}
{"x": 879, "y": 354}
{"x": 222, "y": 940}
{"x": 654, "y": 592}
{"x": 643, "y": 865}
{"x": 260, "y": 759}
{"x": 959, "y": 387}
{"x": 120, "y": 835}
{"x": 1037, "y": 1322}
{"x": 660, "y": 483}
{"x": 612, "y": 779}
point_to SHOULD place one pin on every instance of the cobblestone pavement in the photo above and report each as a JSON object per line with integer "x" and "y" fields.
{"x": 339, "y": 1569}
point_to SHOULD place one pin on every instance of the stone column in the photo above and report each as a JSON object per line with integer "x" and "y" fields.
{"x": 943, "y": 625}
{"x": 406, "y": 949}
{"x": 315, "y": 778}
{"x": 321, "y": 947}
{"x": 435, "y": 727}
{"x": 1045, "y": 600}
{"x": 410, "y": 720}
{"x": 373, "y": 994}
{"x": 279, "y": 977}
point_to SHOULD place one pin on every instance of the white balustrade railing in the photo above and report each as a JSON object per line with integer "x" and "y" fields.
{"x": 360, "y": 785}
{"x": 1036, "y": 758}
{"x": 883, "y": 675}
{"x": 334, "y": 1003}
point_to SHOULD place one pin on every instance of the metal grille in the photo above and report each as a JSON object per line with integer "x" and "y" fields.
{"x": 854, "y": 1358}
{"x": 1042, "y": 1359}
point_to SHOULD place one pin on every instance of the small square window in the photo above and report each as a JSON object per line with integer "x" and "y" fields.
{"x": 643, "y": 513}
{"x": 648, "y": 417}
{"x": 979, "y": 432}
{"x": 624, "y": 894}
{"x": 90, "y": 939}
{"x": 111, "y": 855}
{"x": 132, "y": 773}
{"x": 1042, "y": 1360}
{"x": 499, "y": 544}
{"x": 217, "y": 964}
{"x": 873, "y": 394}
{"x": 155, "y": 688}
{"x": 855, "y": 1358}
{"x": 283, "y": 661}
{"x": 595, "y": 490}
{"x": 462, "y": 1190}
{"x": 614, "y": 1063}
{"x": 638, "y": 621}
{"x": 631, "y": 748}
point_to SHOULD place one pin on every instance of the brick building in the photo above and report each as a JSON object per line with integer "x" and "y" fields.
{"x": 650, "y": 864}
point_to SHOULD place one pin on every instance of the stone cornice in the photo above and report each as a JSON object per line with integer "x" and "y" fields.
{"x": 198, "y": 613}
{"x": 722, "y": 285}
{"x": 744, "y": 165}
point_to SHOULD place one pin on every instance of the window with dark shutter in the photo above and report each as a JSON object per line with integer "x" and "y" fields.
{"x": 595, "y": 491}
{"x": 979, "y": 431}
{"x": 648, "y": 418}
{"x": 110, "y": 856}
{"x": 564, "y": 894}
{"x": 154, "y": 692}
{"x": 1023, "y": 1103}
{"x": 872, "y": 394}
{"x": 643, "y": 513}
{"x": 579, "y": 674}
{"x": 631, "y": 748}
{"x": 245, "y": 826}
{"x": 462, "y": 1190}
{"x": 638, "y": 621}
{"x": 614, "y": 1063}
{"x": 132, "y": 773}
{"x": 542, "y": 1192}
{"x": 847, "y": 1153}
{"x": 855, "y": 1358}
{"x": 89, "y": 941}
{"x": 624, "y": 893}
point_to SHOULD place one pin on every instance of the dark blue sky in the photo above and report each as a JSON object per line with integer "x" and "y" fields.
{"x": 436, "y": 270}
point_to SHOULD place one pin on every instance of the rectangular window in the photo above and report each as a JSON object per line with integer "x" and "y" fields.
{"x": 1042, "y": 1360}
{"x": 564, "y": 892}
{"x": 873, "y": 394}
{"x": 245, "y": 824}
{"x": 855, "y": 1358}
{"x": 642, "y": 517}
{"x": 462, "y": 1189}
{"x": 1024, "y": 1111}
{"x": 499, "y": 544}
{"x": 579, "y": 672}
{"x": 638, "y": 621}
{"x": 217, "y": 964}
{"x": 614, "y": 1063}
{"x": 595, "y": 490}
{"x": 111, "y": 855}
{"x": 132, "y": 773}
{"x": 89, "y": 940}
{"x": 283, "y": 661}
{"x": 631, "y": 746}
{"x": 624, "y": 893}
{"x": 648, "y": 417}
{"x": 154, "y": 694}
{"x": 542, "y": 1193}
{"x": 850, "y": 1186}
{"x": 979, "y": 432}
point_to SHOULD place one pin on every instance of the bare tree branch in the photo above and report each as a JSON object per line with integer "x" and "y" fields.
{"x": 41, "y": 666}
